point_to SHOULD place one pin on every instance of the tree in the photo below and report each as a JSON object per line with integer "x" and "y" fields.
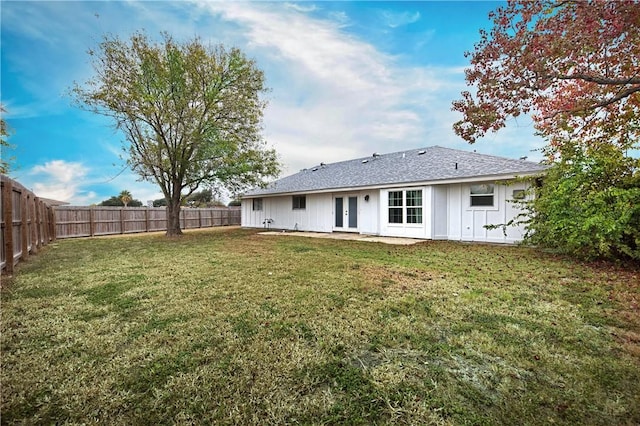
{"x": 125, "y": 197}
{"x": 574, "y": 66}
{"x": 191, "y": 114}
{"x": 117, "y": 201}
{"x": 4, "y": 143}
{"x": 200, "y": 199}
{"x": 160, "y": 202}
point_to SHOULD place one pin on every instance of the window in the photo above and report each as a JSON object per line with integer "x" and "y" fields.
{"x": 299, "y": 202}
{"x": 257, "y": 204}
{"x": 519, "y": 194}
{"x": 405, "y": 206}
{"x": 481, "y": 195}
{"x": 395, "y": 207}
{"x": 414, "y": 206}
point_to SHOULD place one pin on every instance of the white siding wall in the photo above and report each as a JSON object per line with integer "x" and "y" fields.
{"x": 249, "y": 217}
{"x": 446, "y": 214}
{"x": 440, "y": 212}
{"x": 368, "y": 219}
{"x": 467, "y": 223}
{"x": 316, "y": 216}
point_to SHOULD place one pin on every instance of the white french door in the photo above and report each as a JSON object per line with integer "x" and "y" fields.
{"x": 346, "y": 213}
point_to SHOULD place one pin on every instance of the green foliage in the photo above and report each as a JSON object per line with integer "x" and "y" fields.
{"x": 191, "y": 114}
{"x": 202, "y": 198}
{"x": 160, "y": 202}
{"x": 4, "y": 143}
{"x": 589, "y": 205}
{"x": 118, "y": 201}
{"x": 235, "y": 203}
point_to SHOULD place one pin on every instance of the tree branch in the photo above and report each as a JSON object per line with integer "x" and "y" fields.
{"x": 598, "y": 80}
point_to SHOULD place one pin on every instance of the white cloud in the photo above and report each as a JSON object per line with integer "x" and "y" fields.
{"x": 58, "y": 179}
{"x": 399, "y": 19}
{"x": 61, "y": 171}
{"x": 334, "y": 96}
{"x": 300, "y": 8}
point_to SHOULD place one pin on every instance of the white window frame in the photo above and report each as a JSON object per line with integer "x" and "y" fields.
{"x": 257, "y": 204}
{"x": 493, "y": 194}
{"x": 405, "y": 208}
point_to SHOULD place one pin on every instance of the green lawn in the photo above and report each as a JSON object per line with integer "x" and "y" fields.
{"x": 227, "y": 326}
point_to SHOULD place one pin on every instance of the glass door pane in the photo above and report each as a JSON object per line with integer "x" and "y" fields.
{"x": 353, "y": 212}
{"x": 339, "y": 213}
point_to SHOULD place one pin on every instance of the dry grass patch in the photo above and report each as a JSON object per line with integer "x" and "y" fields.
{"x": 231, "y": 327}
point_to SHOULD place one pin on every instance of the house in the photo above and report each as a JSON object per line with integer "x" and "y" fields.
{"x": 429, "y": 193}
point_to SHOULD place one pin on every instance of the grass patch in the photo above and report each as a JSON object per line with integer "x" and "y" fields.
{"x": 227, "y": 326}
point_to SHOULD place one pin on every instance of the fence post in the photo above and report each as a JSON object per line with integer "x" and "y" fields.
{"x": 45, "y": 225}
{"x": 7, "y": 215}
{"x": 24, "y": 228}
{"x": 33, "y": 235}
{"x": 52, "y": 224}
{"x": 122, "y": 220}
{"x": 38, "y": 222}
{"x": 146, "y": 219}
{"x": 92, "y": 221}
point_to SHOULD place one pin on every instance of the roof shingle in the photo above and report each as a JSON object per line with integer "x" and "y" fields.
{"x": 417, "y": 165}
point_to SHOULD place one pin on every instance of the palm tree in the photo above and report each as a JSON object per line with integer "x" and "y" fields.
{"x": 125, "y": 197}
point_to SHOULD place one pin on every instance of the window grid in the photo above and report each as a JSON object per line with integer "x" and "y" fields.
{"x": 395, "y": 206}
{"x": 405, "y": 207}
{"x": 299, "y": 202}
{"x": 395, "y": 198}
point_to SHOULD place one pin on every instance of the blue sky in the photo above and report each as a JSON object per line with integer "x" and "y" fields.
{"x": 347, "y": 79}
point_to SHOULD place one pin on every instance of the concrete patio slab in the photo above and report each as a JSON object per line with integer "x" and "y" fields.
{"x": 346, "y": 236}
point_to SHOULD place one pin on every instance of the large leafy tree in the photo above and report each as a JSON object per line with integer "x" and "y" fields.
{"x": 191, "y": 114}
{"x": 574, "y": 67}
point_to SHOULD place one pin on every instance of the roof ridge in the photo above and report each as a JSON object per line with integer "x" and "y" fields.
{"x": 388, "y": 154}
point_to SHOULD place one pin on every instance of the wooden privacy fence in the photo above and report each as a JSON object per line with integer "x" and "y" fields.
{"x": 72, "y": 221}
{"x": 27, "y": 224}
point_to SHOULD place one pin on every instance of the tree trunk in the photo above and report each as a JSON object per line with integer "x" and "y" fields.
{"x": 173, "y": 218}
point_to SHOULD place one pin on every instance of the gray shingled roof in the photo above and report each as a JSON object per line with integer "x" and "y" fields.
{"x": 417, "y": 165}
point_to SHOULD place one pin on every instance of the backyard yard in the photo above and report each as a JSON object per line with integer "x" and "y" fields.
{"x": 231, "y": 327}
